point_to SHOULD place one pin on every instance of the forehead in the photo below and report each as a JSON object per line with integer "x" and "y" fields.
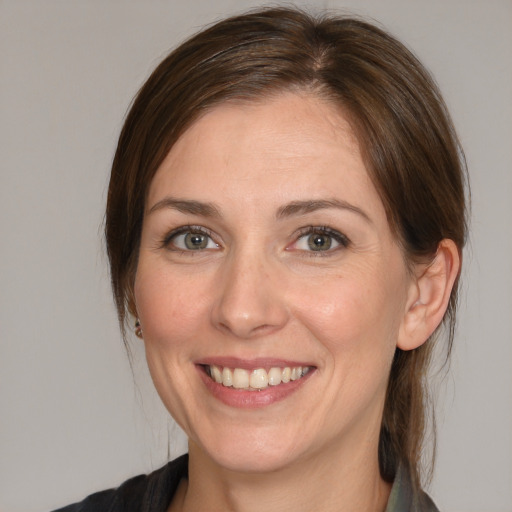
{"x": 303, "y": 118}
{"x": 285, "y": 148}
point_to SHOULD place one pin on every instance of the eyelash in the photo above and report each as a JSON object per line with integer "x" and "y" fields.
{"x": 340, "y": 238}
{"x": 199, "y": 230}
{"x": 303, "y": 232}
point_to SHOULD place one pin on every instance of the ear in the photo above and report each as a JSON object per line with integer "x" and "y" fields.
{"x": 131, "y": 305}
{"x": 428, "y": 296}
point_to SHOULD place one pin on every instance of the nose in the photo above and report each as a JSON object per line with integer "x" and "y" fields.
{"x": 250, "y": 299}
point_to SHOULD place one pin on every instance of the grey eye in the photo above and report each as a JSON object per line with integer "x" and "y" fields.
{"x": 319, "y": 242}
{"x": 193, "y": 241}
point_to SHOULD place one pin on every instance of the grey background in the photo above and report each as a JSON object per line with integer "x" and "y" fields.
{"x": 72, "y": 420}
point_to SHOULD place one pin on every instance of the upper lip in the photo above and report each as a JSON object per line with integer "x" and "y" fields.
{"x": 250, "y": 364}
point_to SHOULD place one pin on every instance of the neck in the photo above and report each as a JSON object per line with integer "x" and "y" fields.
{"x": 341, "y": 482}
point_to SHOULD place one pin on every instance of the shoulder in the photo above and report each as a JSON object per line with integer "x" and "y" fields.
{"x": 142, "y": 493}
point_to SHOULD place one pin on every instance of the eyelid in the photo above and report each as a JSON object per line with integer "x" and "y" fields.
{"x": 166, "y": 241}
{"x": 339, "y": 237}
{"x": 336, "y": 235}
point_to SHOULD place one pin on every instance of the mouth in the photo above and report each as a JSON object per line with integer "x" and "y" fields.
{"x": 256, "y": 379}
{"x": 255, "y": 383}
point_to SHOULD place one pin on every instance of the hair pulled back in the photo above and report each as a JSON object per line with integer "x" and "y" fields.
{"x": 407, "y": 139}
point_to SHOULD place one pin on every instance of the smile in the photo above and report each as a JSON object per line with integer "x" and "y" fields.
{"x": 256, "y": 379}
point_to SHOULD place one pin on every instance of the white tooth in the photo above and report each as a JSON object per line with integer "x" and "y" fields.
{"x": 274, "y": 376}
{"x": 296, "y": 373}
{"x": 258, "y": 379}
{"x": 216, "y": 374}
{"x": 305, "y": 370}
{"x": 240, "y": 378}
{"x": 286, "y": 375}
{"x": 227, "y": 377}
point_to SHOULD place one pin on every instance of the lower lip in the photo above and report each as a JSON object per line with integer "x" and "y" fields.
{"x": 252, "y": 399}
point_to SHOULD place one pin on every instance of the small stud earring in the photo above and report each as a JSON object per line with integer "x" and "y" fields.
{"x": 138, "y": 329}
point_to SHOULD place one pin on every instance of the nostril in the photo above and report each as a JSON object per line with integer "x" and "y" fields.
{"x": 247, "y": 328}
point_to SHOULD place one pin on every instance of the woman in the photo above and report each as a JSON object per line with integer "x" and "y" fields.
{"x": 284, "y": 225}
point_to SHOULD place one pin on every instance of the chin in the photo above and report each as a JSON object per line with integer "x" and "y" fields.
{"x": 252, "y": 452}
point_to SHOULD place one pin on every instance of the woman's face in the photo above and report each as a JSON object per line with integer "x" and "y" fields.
{"x": 266, "y": 257}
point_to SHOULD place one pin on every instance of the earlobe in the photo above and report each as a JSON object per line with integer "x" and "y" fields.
{"x": 429, "y": 296}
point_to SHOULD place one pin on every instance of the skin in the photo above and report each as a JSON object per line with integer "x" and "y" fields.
{"x": 258, "y": 290}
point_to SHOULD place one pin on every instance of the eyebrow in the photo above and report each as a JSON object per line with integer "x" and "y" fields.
{"x": 304, "y": 207}
{"x": 295, "y": 208}
{"x": 187, "y": 206}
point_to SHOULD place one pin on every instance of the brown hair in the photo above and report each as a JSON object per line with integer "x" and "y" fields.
{"x": 408, "y": 142}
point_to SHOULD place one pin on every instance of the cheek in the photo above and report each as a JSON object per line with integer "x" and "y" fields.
{"x": 169, "y": 306}
{"x": 352, "y": 313}
{"x": 169, "y": 311}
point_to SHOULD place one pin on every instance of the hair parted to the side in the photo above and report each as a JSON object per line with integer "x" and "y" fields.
{"x": 410, "y": 148}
